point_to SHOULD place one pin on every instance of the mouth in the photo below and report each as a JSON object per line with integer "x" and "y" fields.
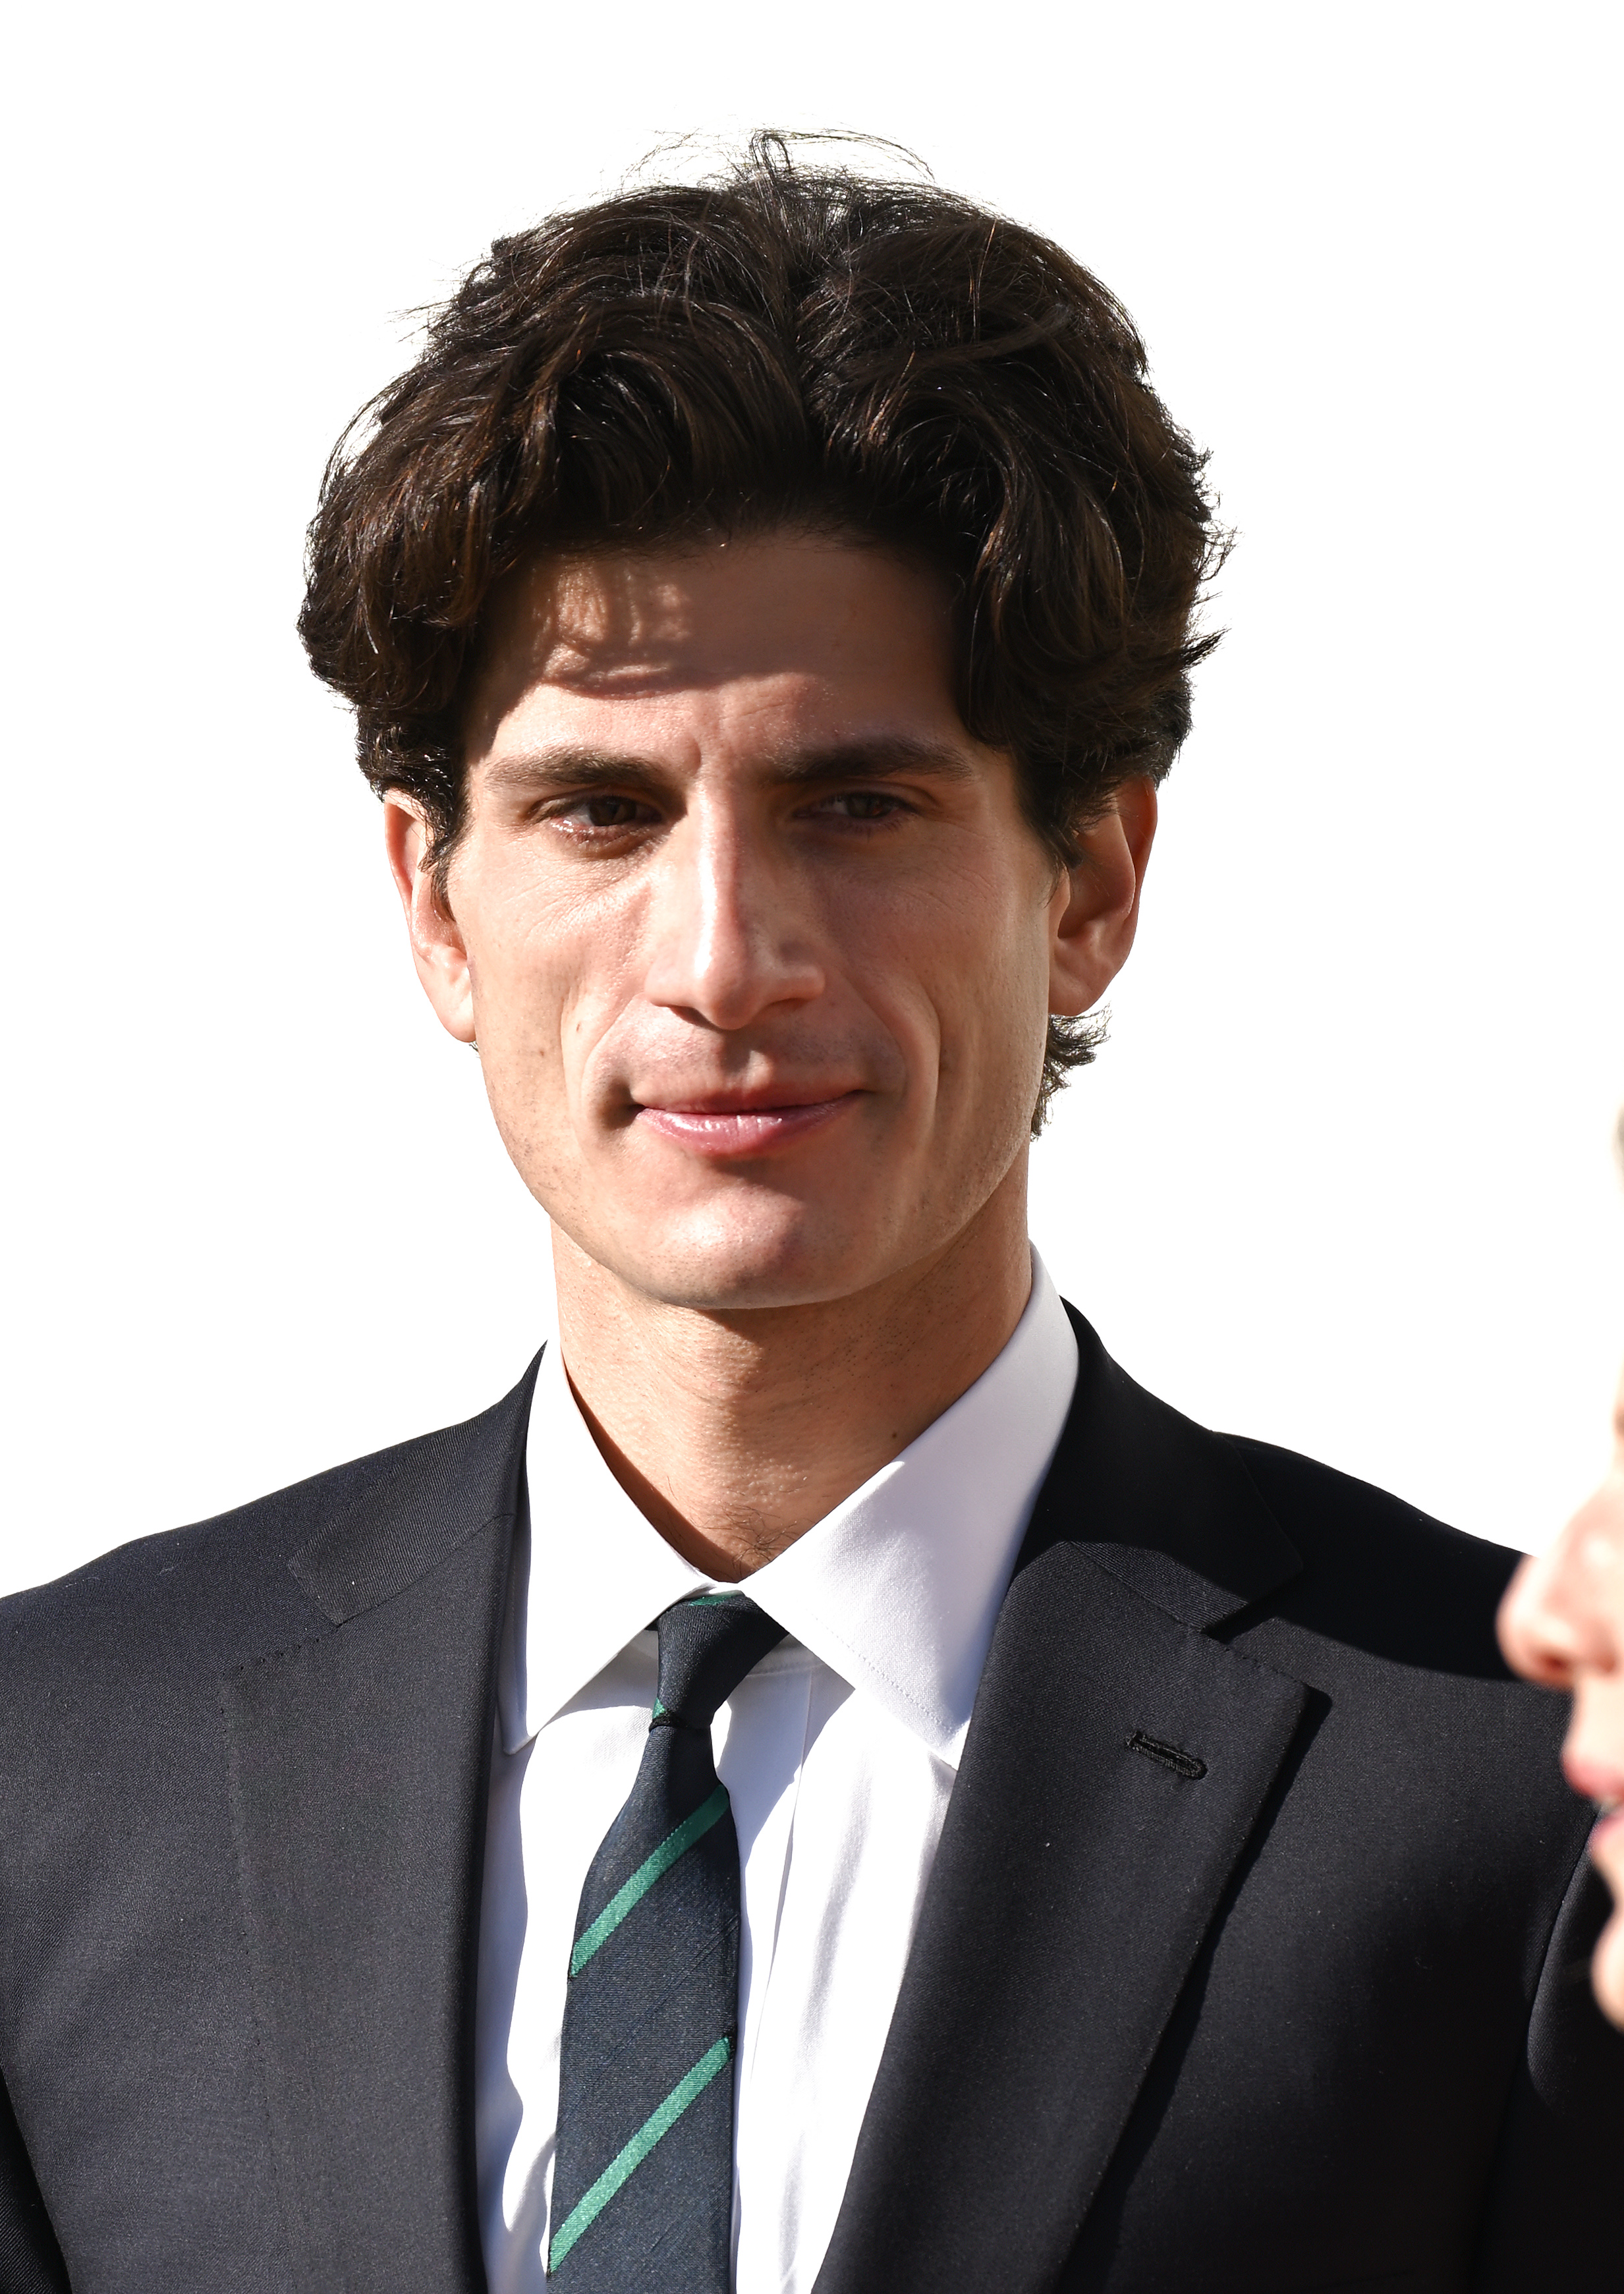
{"x": 727, "y": 1126}
{"x": 1603, "y": 1782}
{"x": 1592, "y": 1780}
{"x": 1608, "y": 1830}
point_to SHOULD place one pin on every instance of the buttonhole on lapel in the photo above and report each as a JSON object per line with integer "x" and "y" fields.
{"x": 1182, "y": 1763}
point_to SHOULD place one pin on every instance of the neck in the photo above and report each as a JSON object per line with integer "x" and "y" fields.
{"x": 734, "y": 1433}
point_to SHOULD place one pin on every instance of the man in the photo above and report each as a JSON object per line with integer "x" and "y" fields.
{"x": 1092, "y": 1853}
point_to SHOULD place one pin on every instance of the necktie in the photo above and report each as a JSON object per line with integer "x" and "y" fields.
{"x": 643, "y": 2182}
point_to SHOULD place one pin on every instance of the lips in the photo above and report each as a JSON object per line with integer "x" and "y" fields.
{"x": 1608, "y": 1830}
{"x": 732, "y": 1125}
{"x": 1598, "y": 1781}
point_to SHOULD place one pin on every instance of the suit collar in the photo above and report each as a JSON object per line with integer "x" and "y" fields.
{"x": 1157, "y": 1500}
{"x": 1078, "y": 1873}
{"x": 359, "y": 1770}
{"x": 433, "y": 1495}
{"x": 1160, "y": 1502}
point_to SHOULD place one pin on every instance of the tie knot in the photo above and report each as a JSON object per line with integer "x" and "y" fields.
{"x": 707, "y": 1646}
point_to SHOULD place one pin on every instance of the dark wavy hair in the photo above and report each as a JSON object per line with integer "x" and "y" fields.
{"x": 794, "y": 346}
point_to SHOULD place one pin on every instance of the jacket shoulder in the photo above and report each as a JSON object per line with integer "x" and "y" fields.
{"x": 228, "y": 1582}
{"x": 1379, "y": 1571}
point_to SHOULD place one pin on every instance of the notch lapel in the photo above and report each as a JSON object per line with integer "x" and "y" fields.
{"x": 1078, "y": 1872}
{"x": 360, "y": 1764}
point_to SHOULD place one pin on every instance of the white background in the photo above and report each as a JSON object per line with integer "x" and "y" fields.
{"x": 1343, "y": 1177}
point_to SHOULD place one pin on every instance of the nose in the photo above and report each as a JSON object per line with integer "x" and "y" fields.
{"x": 729, "y": 935}
{"x": 1563, "y": 1614}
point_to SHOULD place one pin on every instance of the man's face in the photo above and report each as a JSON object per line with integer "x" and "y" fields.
{"x": 755, "y": 942}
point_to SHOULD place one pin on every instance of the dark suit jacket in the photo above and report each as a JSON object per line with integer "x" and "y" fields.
{"x": 1253, "y": 1957}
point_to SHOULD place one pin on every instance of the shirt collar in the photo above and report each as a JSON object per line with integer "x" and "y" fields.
{"x": 897, "y": 1589}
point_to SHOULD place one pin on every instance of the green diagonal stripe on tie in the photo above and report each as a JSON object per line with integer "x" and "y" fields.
{"x": 674, "y": 1844}
{"x": 581, "y": 2216}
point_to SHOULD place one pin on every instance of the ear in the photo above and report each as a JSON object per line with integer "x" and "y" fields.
{"x": 437, "y": 947}
{"x": 1094, "y": 912}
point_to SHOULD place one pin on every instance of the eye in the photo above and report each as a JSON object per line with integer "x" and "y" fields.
{"x": 864, "y": 807}
{"x": 606, "y": 812}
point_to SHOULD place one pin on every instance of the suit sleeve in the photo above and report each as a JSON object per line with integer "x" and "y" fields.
{"x": 1552, "y": 2217}
{"x": 30, "y": 2260}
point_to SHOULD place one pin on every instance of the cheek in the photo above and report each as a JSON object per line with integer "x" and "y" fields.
{"x": 544, "y": 975}
{"x": 535, "y": 1021}
{"x": 992, "y": 992}
{"x": 954, "y": 985}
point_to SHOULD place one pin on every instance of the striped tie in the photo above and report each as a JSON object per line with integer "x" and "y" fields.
{"x": 643, "y": 2185}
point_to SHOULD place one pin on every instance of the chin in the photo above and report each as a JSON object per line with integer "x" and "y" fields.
{"x": 728, "y": 1263}
{"x": 1607, "y": 1968}
{"x": 1607, "y": 1972}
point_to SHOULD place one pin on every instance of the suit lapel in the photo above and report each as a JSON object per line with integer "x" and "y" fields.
{"x": 1116, "y": 1764}
{"x": 359, "y": 1767}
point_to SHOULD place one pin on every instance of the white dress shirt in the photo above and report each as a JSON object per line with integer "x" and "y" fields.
{"x": 838, "y": 1753}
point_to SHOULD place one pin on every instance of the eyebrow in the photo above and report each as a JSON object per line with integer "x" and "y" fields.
{"x": 884, "y": 755}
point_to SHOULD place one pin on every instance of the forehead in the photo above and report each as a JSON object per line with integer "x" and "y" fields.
{"x": 816, "y": 628}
